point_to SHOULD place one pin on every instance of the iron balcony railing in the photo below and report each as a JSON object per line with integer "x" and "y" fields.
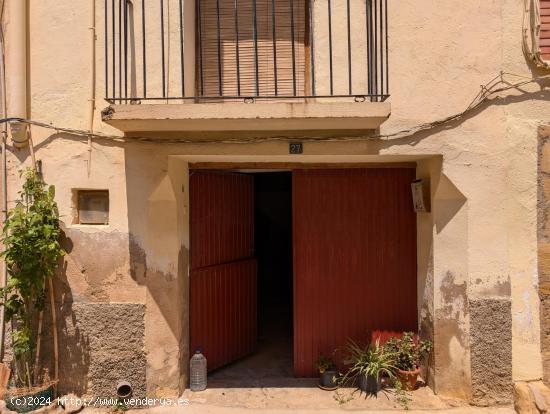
{"x": 245, "y": 50}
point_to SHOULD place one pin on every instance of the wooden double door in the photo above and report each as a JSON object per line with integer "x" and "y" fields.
{"x": 354, "y": 253}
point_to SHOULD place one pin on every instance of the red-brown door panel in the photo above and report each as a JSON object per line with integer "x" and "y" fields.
{"x": 223, "y": 290}
{"x": 222, "y": 217}
{"x": 354, "y": 236}
{"x": 223, "y": 311}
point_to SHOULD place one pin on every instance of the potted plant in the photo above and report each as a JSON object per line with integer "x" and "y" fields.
{"x": 408, "y": 351}
{"x": 368, "y": 364}
{"x": 328, "y": 374}
{"x": 32, "y": 252}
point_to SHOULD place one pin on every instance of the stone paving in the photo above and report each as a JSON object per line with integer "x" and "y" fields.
{"x": 296, "y": 400}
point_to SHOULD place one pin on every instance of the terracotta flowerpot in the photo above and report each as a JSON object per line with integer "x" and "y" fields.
{"x": 408, "y": 378}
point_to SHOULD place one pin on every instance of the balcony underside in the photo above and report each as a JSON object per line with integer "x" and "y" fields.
{"x": 268, "y": 118}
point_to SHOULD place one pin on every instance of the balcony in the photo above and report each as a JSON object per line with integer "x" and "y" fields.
{"x": 246, "y": 65}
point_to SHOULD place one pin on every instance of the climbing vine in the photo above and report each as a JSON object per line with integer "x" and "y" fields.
{"x": 32, "y": 252}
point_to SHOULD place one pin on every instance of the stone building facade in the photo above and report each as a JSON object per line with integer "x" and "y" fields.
{"x": 123, "y": 293}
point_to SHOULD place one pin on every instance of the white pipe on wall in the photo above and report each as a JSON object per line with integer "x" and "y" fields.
{"x": 16, "y": 69}
{"x": 91, "y": 99}
{"x": 4, "y": 177}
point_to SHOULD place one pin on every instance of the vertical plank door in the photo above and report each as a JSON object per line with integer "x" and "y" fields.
{"x": 354, "y": 236}
{"x": 223, "y": 290}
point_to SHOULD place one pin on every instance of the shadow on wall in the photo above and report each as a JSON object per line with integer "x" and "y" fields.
{"x": 74, "y": 345}
{"x": 100, "y": 342}
{"x": 449, "y": 202}
{"x": 159, "y": 262}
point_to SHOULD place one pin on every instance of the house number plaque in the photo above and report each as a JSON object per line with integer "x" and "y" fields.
{"x": 295, "y": 148}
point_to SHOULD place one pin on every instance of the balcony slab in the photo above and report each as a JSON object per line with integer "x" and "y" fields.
{"x": 273, "y": 117}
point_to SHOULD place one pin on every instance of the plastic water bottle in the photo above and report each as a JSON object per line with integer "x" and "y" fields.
{"x": 197, "y": 365}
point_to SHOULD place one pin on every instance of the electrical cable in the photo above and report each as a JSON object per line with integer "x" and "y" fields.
{"x": 488, "y": 93}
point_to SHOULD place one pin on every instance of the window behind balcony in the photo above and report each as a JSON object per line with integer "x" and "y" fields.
{"x": 163, "y": 51}
{"x": 251, "y": 47}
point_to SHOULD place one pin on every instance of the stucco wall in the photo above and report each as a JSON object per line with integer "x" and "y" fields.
{"x": 477, "y": 246}
{"x": 544, "y": 246}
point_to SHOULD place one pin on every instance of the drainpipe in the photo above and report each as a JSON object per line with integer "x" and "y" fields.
{"x": 4, "y": 172}
{"x": 91, "y": 99}
{"x": 16, "y": 70}
{"x": 4, "y": 271}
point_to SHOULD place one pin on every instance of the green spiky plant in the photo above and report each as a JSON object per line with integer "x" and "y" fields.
{"x": 371, "y": 360}
{"x": 32, "y": 251}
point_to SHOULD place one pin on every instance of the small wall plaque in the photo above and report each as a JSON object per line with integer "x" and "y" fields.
{"x": 295, "y": 148}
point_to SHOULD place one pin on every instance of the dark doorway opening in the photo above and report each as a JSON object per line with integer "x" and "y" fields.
{"x": 273, "y": 236}
{"x": 272, "y": 363}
